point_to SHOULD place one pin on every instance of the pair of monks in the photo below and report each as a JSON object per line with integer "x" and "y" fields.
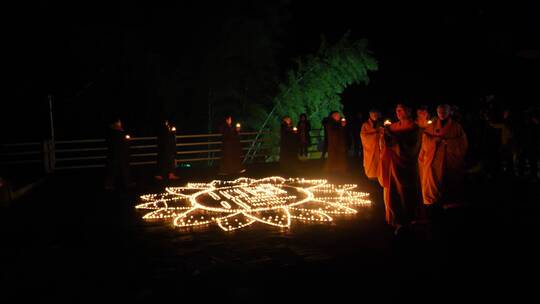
{"x": 407, "y": 154}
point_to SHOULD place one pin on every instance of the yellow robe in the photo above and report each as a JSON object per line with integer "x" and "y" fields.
{"x": 369, "y": 135}
{"x": 441, "y": 162}
{"x": 398, "y": 172}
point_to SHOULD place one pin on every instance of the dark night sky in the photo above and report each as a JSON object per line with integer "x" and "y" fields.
{"x": 100, "y": 59}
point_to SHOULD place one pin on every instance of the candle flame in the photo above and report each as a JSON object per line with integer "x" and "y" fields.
{"x": 387, "y": 122}
{"x": 127, "y": 136}
{"x": 429, "y": 122}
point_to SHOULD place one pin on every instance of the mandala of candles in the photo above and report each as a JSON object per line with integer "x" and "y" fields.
{"x": 235, "y": 204}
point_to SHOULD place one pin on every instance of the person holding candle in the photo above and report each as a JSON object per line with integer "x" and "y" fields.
{"x": 117, "y": 167}
{"x": 398, "y": 172}
{"x": 323, "y": 142}
{"x": 231, "y": 162}
{"x": 304, "y": 138}
{"x": 422, "y": 120}
{"x": 444, "y": 144}
{"x": 369, "y": 135}
{"x": 288, "y": 147}
{"x": 166, "y": 141}
{"x": 337, "y": 162}
{"x": 422, "y": 117}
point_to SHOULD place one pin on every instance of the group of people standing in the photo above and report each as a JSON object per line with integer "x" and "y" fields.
{"x": 118, "y": 154}
{"x": 419, "y": 163}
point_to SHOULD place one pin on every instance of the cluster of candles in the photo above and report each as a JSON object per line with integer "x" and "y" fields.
{"x": 239, "y": 203}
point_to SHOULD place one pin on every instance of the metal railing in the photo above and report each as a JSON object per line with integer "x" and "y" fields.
{"x": 92, "y": 153}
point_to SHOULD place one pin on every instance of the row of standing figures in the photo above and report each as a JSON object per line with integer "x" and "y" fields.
{"x": 118, "y": 172}
{"x": 230, "y": 162}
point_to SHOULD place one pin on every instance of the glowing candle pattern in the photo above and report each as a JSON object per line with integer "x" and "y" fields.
{"x": 274, "y": 201}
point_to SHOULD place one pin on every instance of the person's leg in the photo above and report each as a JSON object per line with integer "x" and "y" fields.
{"x": 126, "y": 175}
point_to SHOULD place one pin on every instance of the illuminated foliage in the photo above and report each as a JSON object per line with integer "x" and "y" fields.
{"x": 315, "y": 85}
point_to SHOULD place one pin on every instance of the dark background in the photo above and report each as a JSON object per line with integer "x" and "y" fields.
{"x": 143, "y": 62}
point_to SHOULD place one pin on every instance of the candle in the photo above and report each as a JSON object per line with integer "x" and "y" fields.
{"x": 127, "y": 136}
{"x": 295, "y": 129}
{"x": 387, "y": 122}
{"x": 238, "y": 125}
{"x": 429, "y": 122}
{"x": 173, "y": 129}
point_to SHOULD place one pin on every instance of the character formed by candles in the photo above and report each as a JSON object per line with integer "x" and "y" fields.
{"x": 166, "y": 141}
{"x": 398, "y": 173}
{"x": 442, "y": 155}
{"x": 369, "y": 135}
{"x": 288, "y": 144}
{"x": 117, "y": 156}
{"x": 231, "y": 162}
{"x": 337, "y": 162}
{"x": 303, "y": 129}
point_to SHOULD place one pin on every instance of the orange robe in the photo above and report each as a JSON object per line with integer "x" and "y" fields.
{"x": 441, "y": 161}
{"x": 398, "y": 172}
{"x": 369, "y": 135}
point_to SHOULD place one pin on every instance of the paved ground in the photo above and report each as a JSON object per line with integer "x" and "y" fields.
{"x": 69, "y": 240}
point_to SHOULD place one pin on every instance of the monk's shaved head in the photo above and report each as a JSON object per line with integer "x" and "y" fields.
{"x": 403, "y": 112}
{"x": 443, "y": 111}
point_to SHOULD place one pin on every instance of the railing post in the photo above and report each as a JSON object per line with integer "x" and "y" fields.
{"x": 49, "y": 157}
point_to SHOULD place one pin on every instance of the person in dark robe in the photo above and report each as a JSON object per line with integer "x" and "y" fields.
{"x": 304, "y": 139}
{"x": 117, "y": 157}
{"x": 324, "y": 142}
{"x": 231, "y": 162}
{"x": 398, "y": 169}
{"x": 166, "y": 141}
{"x": 336, "y": 163}
{"x": 288, "y": 147}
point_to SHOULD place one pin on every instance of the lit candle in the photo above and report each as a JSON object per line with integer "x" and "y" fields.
{"x": 173, "y": 129}
{"x": 429, "y": 122}
{"x": 387, "y": 122}
{"x": 238, "y": 125}
{"x": 295, "y": 129}
{"x": 127, "y": 136}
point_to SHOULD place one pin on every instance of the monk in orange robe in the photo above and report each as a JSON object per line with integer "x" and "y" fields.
{"x": 441, "y": 159}
{"x": 398, "y": 172}
{"x": 369, "y": 135}
{"x": 422, "y": 120}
